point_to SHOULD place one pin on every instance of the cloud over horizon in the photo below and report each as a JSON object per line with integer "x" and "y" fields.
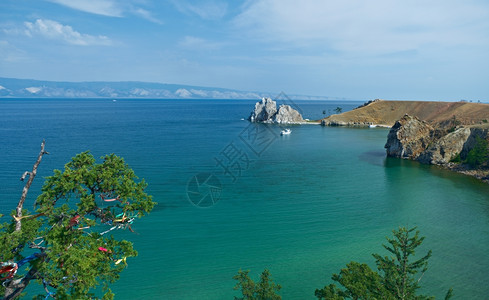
{"x": 56, "y": 31}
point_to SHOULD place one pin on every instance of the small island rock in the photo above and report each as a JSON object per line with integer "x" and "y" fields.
{"x": 287, "y": 115}
{"x": 266, "y": 112}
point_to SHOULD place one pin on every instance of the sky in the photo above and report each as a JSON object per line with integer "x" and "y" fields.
{"x": 388, "y": 49}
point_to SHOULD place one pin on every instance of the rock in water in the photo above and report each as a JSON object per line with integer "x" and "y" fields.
{"x": 287, "y": 115}
{"x": 266, "y": 112}
{"x": 408, "y": 138}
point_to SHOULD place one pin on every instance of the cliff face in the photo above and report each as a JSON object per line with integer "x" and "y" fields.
{"x": 443, "y": 150}
{"x": 414, "y": 139}
{"x": 408, "y": 138}
{"x": 287, "y": 115}
{"x": 266, "y": 112}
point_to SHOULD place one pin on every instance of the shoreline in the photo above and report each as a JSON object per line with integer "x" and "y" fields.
{"x": 482, "y": 175}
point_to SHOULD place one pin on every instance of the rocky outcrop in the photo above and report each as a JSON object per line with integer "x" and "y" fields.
{"x": 443, "y": 150}
{"x": 266, "y": 112}
{"x": 408, "y": 138}
{"x": 287, "y": 115}
{"x": 412, "y": 138}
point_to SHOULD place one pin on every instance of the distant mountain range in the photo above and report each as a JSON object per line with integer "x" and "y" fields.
{"x": 27, "y": 88}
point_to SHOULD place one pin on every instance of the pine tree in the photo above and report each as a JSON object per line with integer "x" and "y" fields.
{"x": 397, "y": 271}
{"x": 397, "y": 276}
{"x": 265, "y": 289}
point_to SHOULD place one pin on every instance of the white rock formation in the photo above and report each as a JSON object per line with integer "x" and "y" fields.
{"x": 266, "y": 112}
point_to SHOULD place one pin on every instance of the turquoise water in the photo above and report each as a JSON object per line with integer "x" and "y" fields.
{"x": 302, "y": 205}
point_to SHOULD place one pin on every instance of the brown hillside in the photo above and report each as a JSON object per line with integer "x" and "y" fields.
{"x": 384, "y": 112}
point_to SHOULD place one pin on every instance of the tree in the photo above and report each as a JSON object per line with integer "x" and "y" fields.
{"x": 479, "y": 154}
{"x": 265, "y": 289}
{"x": 66, "y": 243}
{"x": 396, "y": 277}
{"x": 359, "y": 280}
{"x": 338, "y": 110}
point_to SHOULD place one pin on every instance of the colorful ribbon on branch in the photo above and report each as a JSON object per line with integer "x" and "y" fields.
{"x": 10, "y": 268}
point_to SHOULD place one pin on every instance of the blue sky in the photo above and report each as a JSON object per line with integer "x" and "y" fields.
{"x": 390, "y": 49}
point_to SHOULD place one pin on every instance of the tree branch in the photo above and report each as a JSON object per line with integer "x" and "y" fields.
{"x": 32, "y": 175}
{"x": 14, "y": 288}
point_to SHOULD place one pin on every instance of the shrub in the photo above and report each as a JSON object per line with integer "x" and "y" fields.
{"x": 479, "y": 154}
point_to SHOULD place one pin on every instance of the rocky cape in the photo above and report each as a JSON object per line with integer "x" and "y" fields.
{"x": 412, "y": 138}
{"x": 437, "y": 133}
{"x": 266, "y": 111}
{"x": 415, "y": 139}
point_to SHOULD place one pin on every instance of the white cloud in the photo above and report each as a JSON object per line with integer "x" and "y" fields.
{"x": 145, "y": 14}
{"x": 196, "y": 43}
{"x": 368, "y": 27}
{"x": 207, "y": 10}
{"x": 110, "y": 8}
{"x": 56, "y": 31}
{"x": 100, "y": 7}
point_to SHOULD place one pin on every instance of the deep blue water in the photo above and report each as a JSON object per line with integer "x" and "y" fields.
{"x": 302, "y": 205}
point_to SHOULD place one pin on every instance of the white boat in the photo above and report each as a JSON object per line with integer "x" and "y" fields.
{"x": 372, "y": 126}
{"x": 285, "y": 132}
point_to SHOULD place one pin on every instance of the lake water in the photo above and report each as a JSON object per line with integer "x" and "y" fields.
{"x": 302, "y": 205}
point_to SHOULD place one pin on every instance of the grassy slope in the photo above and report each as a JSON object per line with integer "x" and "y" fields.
{"x": 386, "y": 112}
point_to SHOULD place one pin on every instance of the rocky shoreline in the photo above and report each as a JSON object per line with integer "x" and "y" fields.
{"x": 442, "y": 145}
{"x": 436, "y": 133}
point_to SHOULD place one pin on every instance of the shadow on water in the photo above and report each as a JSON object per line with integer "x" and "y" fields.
{"x": 457, "y": 179}
{"x": 376, "y": 157}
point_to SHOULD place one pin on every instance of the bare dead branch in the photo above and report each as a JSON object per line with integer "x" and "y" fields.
{"x": 32, "y": 175}
{"x": 24, "y": 175}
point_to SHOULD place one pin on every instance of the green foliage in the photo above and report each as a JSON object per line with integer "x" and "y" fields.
{"x": 338, "y": 110}
{"x": 398, "y": 272}
{"x": 396, "y": 277}
{"x": 265, "y": 289}
{"x": 456, "y": 159}
{"x": 479, "y": 154}
{"x": 67, "y": 231}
